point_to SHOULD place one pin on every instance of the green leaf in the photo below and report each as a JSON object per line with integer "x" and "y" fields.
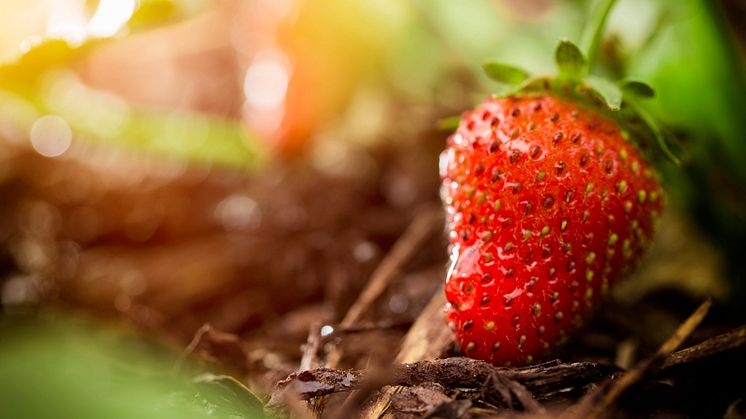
{"x": 637, "y": 89}
{"x": 504, "y": 73}
{"x": 233, "y": 395}
{"x": 64, "y": 367}
{"x": 569, "y": 59}
{"x": 449, "y": 123}
{"x": 606, "y": 90}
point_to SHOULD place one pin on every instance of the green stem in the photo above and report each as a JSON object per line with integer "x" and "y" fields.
{"x": 592, "y": 34}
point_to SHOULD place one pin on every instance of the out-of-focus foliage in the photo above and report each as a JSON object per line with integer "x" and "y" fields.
{"x": 701, "y": 94}
{"x": 35, "y": 23}
{"x": 337, "y": 46}
{"x": 36, "y": 80}
{"x": 99, "y": 117}
{"x": 76, "y": 369}
{"x": 481, "y": 30}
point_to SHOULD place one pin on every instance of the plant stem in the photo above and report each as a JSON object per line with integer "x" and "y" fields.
{"x": 592, "y": 34}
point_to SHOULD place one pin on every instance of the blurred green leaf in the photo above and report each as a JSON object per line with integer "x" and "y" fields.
{"x": 77, "y": 369}
{"x": 99, "y": 117}
{"x": 699, "y": 80}
{"x": 450, "y": 123}
{"x": 233, "y": 394}
{"x": 700, "y": 86}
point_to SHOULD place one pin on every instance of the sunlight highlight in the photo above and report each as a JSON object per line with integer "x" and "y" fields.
{"x": 110, "y": 16}
{"x": 69, "y": 22}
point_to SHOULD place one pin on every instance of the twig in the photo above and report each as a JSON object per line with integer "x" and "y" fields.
{"x": 370, "y": 326}
{"x": 196, "y": 339}
{"x": 418, "y": 231}
{"x": 428, "y": 338}
{"x": 421, "y": 228}
{"x": 310, "y": 358}
{"x": 456, "y": 372}
{"x": 207, "y": 333}
{"x": 625, "y": 354}
{"x": 529, "y": 403}
{"x": 686, "y": 329}
{"x": 597, "y": 403}
{"x": 734, "y": 339}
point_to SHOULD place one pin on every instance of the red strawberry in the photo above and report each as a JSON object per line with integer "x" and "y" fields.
{"x": 547, "y": 205}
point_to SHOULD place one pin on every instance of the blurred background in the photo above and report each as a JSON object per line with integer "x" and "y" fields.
{"x": 246, "y": 164}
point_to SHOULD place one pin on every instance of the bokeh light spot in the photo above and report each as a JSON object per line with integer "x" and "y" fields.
{"x": 266, "y": 81}
{"x": 51, "y": 136}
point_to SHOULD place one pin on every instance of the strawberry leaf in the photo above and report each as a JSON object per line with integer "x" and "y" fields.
{"x": 504, "y": 73}
{"x": 606, "y": 90}
{"x": 569, "y": 59}
{"x": 637, "y": 89}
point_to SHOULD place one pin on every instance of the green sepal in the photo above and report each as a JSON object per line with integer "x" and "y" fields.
{"x": 504, "y": 73}
{"x": 607, "y": 97}
{"x": 609, "y": 92}
{"x": 636, "y": 88}
{"x": 570, "y": 61}
{"x": 449, "y": 123}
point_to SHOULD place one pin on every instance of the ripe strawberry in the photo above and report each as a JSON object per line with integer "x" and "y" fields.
{"x": 547, "y": 205}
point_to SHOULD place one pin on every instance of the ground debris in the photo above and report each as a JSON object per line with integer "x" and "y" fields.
{"x": 329, "y": 251}
{"x": 598, "y": 403}
{"x": 549, "y": 380}
{"x": 456, "y": 386}
{"x": 426, "y": 400}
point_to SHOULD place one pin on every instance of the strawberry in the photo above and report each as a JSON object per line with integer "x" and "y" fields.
{"x": 547, "y": 204}
{"x": 548, "y": 201}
